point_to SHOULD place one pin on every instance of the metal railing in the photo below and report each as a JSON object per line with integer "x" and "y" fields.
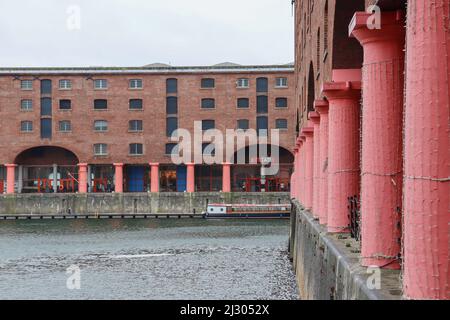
{"x": 354, "y": 210}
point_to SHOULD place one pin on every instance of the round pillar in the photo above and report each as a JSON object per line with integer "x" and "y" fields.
{"x": 10, "y": 178}
{"x": 426, "y": 166}
{"x": 118, "y": 178}
{"x": 382, "y": 125}
{"x": 190, "y": 183}
{"x": 309, "y": 165}
{"x": 315, "y": 119}
{"x": 321, "y": 107}
{"x": 154, "y": 177}
{"x": 226, "y": 177}
{"x": 82, "y": 178}
{"x": 343, "y": 141}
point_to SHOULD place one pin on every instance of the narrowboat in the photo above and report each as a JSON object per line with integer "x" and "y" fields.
{"x": 248, "y": 211}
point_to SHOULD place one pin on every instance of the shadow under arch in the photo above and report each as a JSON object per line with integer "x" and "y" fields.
{"x": 47, "y": 155}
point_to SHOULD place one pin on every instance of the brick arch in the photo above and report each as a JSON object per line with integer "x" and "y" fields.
{"x": 286, "y": 156}
{"x": 46, "y": 155}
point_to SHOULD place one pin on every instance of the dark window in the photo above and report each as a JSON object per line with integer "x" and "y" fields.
{"x": 46, "y": 107}
{"x": 243, "y": 124}
{"x": 211, "y": 150}
{"x": 171, "y": 125}
{"x": 208, "y": 103}
{"x": 65, "y": 104}
{"x": 281, "y": 102}
{"x": 135, "y": 104}
{"x": 100, "y": 104}
{"x": 26, "y": 105}
{"x": 100, "y": 149}
{"x": 208, "y": 83}
{"x": 172, "y": 105}
{"x": 281, "y": 123}
{"x": 171, "y": 86}
{"x": 243, "y": 103}
{"x": 135, "y": 125}
{"x": 208, "y": 124}
{"x": 262, "y": 85}
{"x": 65, "y": 126}
{"x": 262, "y": 124}
{"x": 26, "y": 84}
{"x": 262, "y": 104}
{"x": 171, "y": 148}
{"x": 46, "y": 128}
{"x": 136, "y": 84}
{"x": 136, "y": 149}
{"x": 46, "y": 86}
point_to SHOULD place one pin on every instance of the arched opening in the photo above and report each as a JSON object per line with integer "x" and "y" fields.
{"x": 265, "y": 168}
{"x": 47, "y": 169}
{"x": 311, "y": 89}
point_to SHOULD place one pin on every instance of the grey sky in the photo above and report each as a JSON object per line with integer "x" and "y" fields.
{"x": 139, "y": 32}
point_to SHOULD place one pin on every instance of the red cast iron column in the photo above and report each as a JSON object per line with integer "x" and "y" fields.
{"x": 343, "y": 142}
{"x": 309, "y": 165}
{"x": 321, "y": 107}
{"x": 10, "y": 178}
{"x": 118, "y": 178}
{"x": 381, "y": 155}
{"x": 315, "y": 119}
{"x": 82, "y": 178}
{"x": 426, "y": 166}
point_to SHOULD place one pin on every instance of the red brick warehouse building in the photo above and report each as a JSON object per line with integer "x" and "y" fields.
{"x": 105, "y": 129}
{"x": 373, "y": 96}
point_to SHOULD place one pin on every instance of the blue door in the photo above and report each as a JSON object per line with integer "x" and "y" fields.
{"x": 135, "y": 179}
{"x": 181, "y": 178}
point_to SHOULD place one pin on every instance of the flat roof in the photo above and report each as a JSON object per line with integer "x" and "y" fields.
{"x": 148, "y": 69}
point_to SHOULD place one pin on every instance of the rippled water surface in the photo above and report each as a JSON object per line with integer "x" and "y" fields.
{"x": 146, "y": 259}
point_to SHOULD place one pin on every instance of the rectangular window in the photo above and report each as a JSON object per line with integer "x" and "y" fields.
{"x": 172, "y": 105}
{"x": 171, "y": 125}
{"x": 65, "y": 126}
{"x": 65, "y": 104}
{"x": 136, "y": 84}
{"x": 262, "y": 85}
{"x": 100, "y": 84}
{"x": 26, "y": 126}
{"x": 262, "y": 104}
{"x": 281, "y": 102}
{"x": 26, "y": 84}
{"x": 262, "y": 126}
{"x": 281, "y": 82}
{"x": 100, "y": 104}
{"x": 171, "y": 86}
{"x": 171, "y": 148}
{"x": 243, "y": 124}
{"x": 100, "y": 149}
{"x": 136, "y": 149}
{"x": 46, "y": 106}
{"x": 208, "y": 124}
{"x": 243, "y": 103}
{"x": 65, "y": 84}
{"x": 135, "y": 125}
{"x": 136, "y": 104}
{"x": 281, "y": 124}
{"x": 26, "y": 105}
{"x": 101, "y": 125}
{"x": 46, "y": 86}
{"x": 243, "y": 83}
{"x": 46, "y": 128}
{"x": 208, "y": 103}
{"x": 208, "y": 83}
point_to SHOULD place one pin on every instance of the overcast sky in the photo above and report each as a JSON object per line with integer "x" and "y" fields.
{"x": 139, "y": 32}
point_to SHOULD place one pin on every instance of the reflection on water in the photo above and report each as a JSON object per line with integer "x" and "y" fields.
{"x": 146, "y": 259}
